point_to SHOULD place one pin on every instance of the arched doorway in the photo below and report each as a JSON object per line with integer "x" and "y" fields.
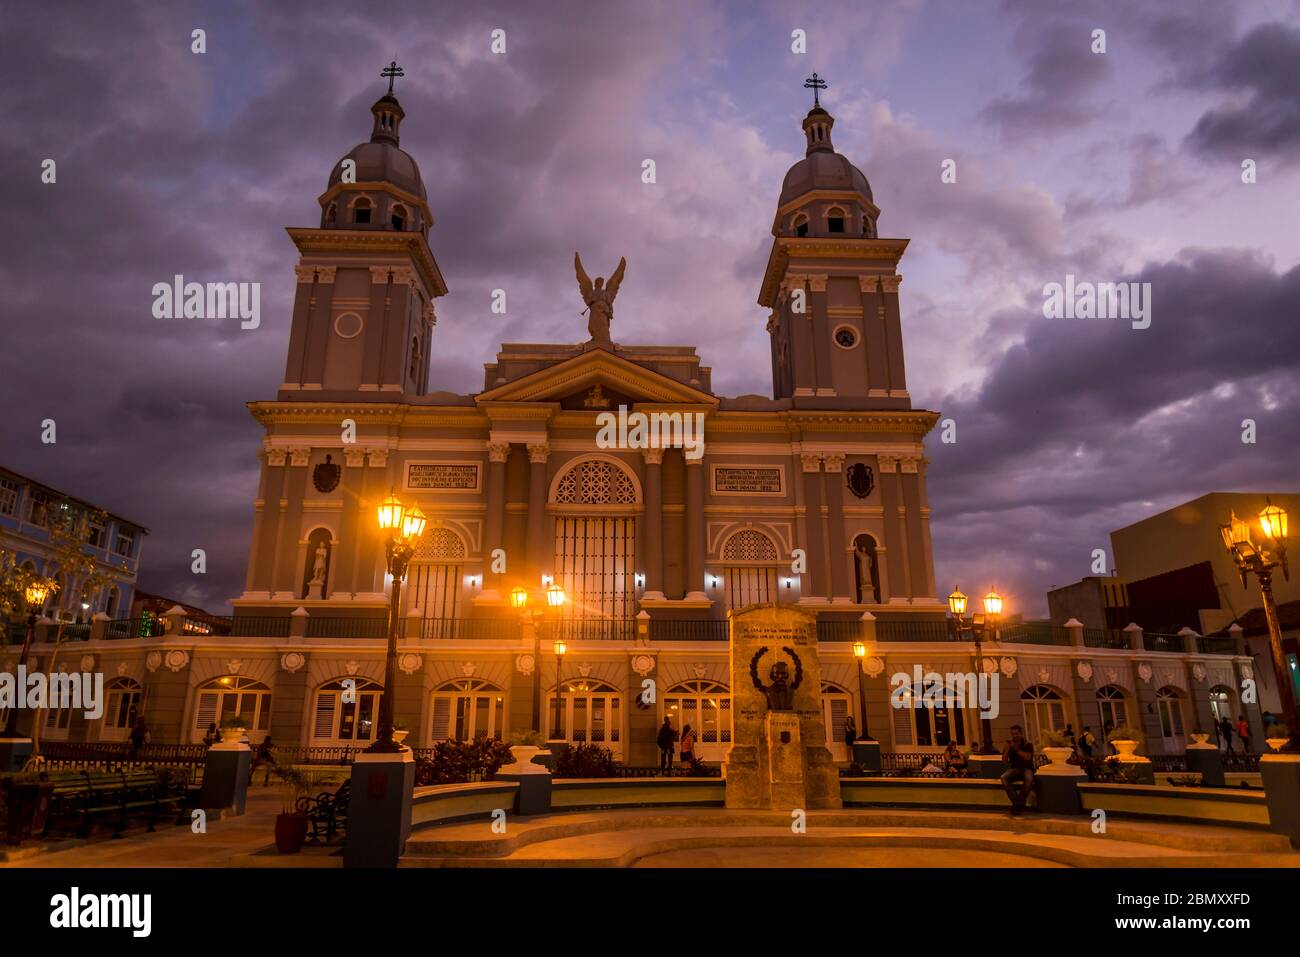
{"x": 227, "y": 697}
{"x": 591, "y": 712}
{"x": 466, "y": 709}
{"x": 1044, "y": 711}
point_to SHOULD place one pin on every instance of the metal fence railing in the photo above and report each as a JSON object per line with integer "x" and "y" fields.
{"x": 1105, "y": 638}
{"x": 470, "y": 628}
{"x": 913, "y": 631}
{"x": 1154, "y": 641}
{"x": 259, "y": 626}
{"x": 323, "y": 626}
{"x": 120, "y": 628}
{"x": 1034, "y": 633}
{"x": 690, "y": 629}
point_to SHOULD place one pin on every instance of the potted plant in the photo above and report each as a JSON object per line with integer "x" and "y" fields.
{"x": 234, "y": 728}
{"x": 1126, "y": 741}
{"x": 27, "y": 801}
{"x": 291, "y": 824}
{"x": 524, "y": 746}
{"x": 1057, "y": 746}
{"x": 400, "y": 730}
{"x": 1277, "y": 735}
{"x": 1199, "y": 735}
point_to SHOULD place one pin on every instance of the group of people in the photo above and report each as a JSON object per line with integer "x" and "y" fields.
{"x": 668, "y": 743}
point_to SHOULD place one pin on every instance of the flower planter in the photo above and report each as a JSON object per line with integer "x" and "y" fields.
{"x": 28, "y": 808}
{"x": 1200, "y": 738}
{"x": 1058, "y": 755}
{"x": 290, "y": 832}
{"x": 1277, "y": 744}
{"x": 232, "y": 735}
{"x": 1125, "y": 749}
{"x": 399, "y": 734}
{"x": 523, "y": 764}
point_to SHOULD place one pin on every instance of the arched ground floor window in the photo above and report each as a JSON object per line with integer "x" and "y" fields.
{"x": 706, "y": 707}
{"x": 1169, "y": 705}
{"x": 346, "y": 712}
{"x": 123, "y": 707}
{"x": 919, "y": 725}
{"x": 228, "y": 697}
{"x": 591, "y": 712}
{"x": 1112, "y": 707}
{"x": 1044, "y": 711}
{"x": 466, "y": 709}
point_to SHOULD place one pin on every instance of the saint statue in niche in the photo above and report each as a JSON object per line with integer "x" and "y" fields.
{"x": 318, "y": 557}
{"x": 864, "y": 561}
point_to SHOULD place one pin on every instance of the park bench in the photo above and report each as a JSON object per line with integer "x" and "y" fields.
{"x": 81, "y": 798}
{"x": 328, "y": 814}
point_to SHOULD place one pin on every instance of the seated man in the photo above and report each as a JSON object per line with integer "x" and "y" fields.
{"x": 954, "y": 761}
{"x": 1019, "y": 754}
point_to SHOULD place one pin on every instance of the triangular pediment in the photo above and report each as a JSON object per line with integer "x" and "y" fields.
{"x": 571, "y": 382}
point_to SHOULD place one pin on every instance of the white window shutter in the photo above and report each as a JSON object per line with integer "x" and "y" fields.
{"x": 324, "y": 723}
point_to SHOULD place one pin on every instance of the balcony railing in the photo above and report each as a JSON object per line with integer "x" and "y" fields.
{"x": 500, "y": 628}
{"x": 1216, "y": 645}
{"x": 120, "y": 628}
{"x": 325, "y": 626}
{"x": 259, "y": 626}
{"x": 1105, "y": 638}
{"x": 913, "y": 631}
{"x": 593, "y": 629}
{"x": 841, "y": 631}
{"x": 205, "y": 625}
{"x": 1034, "y": 633}
{"x": 72, "y": 631}
{"x": 701, "y": 629}
{"x": 1154, "y": 641}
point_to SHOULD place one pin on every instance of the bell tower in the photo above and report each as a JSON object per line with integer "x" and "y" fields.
{"x": 831, "y": 284}
{"x": 363, "y": 314}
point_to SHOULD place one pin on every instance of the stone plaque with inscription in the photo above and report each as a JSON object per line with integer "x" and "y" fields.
{"x": 746, "y": 480}
{"x": 778, "y": 758}
{"x": 434, "y": 476}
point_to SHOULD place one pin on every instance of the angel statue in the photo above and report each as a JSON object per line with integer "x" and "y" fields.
{"x": 599, "y": 297}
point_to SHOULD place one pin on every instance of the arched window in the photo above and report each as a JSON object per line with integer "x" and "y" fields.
{"x": 595, "y": 551}
{"x": 467, "y": 709}
{"x": 228, "y": 697}
{"x": 399, "y": 217}
{"x": 123, "y": 707}
{"x": 706, "y": 707}
{"x": 924, "y": 720}
{"x": 346, "y": 711}
{"x": 591, "y": 712}
{"x": 1112, "y": 706}
{"x": 835, "y": 220}
{"x": 361, "y": 211}
{"x": 837, "y": 705}
{"x": 867, "y": 568}
{"x": 1044, "y": 711}
{"x": 1169, "y": 704}
{"x": 435, "y": 581}
{"x": 750, "y": 565}
{"x": 1221, "y": 704}
{"x": 801, "y": 225}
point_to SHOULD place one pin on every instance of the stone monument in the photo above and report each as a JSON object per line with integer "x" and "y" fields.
{"x": 778, "y": 758}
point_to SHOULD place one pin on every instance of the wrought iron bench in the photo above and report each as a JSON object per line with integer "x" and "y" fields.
{"x": 328, "y": 814}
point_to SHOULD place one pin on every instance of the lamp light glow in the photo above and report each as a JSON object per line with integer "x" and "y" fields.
{"x": 957, "y": 603}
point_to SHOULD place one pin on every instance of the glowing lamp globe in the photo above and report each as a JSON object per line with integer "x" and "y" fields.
{"x": 554, "y": 595}
{"x": 1273, "y": 520}
{"x": 993, "y": 603}
{"x": 957, "y": 603}
{"x": 391, "y": 512}
{"x": 519, "y": 596}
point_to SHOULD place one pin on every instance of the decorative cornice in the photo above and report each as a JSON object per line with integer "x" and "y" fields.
{"x": 785, "y": 249}
{"x": 411, "y": 243}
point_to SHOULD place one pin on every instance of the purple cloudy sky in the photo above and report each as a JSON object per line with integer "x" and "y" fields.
{"x": 1125, "y": 165}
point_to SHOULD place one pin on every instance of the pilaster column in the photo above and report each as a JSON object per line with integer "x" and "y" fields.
{"x": 873, "y": 323}
{"x": 802, "y": 370}
{"x": 893, "y": 333}
{"x": 654, "y": 525}
{"x": 695, "y": 545}
{"x": 895, "y": 534}
{"x": 295, "y": 485}
{"x": 266, "y": 523}
{"x": 319, "y": 310}
{"x": 815, "y": 548}
{"x": 538, "y": 552}
{"x": 821, "y": 336}
{"x": 372, "y": 376}
{"x": 351, "y": 522}
{"x": 841, "y": 588}
{"x": 498, "y": 452}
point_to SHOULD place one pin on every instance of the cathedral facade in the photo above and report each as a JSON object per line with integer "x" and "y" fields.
{"x": 815, "y": 496}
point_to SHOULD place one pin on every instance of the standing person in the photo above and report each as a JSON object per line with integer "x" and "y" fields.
{"x": 265, "y": 756}
{"x": 1019, "y": 754}
{"x": 139, "y": 735}
{"x": 850, "y": 735}
{"x": 1225, "y": 732}
{"x": 1243, "y": 732}
{"x": 1086, "y": 741}
{"x": 667, "y": 738}
{"x": 688, "y": 746}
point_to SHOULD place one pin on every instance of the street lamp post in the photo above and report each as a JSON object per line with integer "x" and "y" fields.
{"x": 860, "y": 652}
{"x": 560, "y": 648}
{"x": 1260, "y": 560}
{"x": 404, "y": 525}
{"x": 35, "y": 593}
{"x": 957, "y": 603}
{"x": 554, "y": 601}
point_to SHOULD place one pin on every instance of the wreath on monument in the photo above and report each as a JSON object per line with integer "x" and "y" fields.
{"x": 779, "y": 689}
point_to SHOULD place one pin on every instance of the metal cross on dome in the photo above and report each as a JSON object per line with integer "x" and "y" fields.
{"x": 816, "y": 84}
{"x": 392, "y": 71}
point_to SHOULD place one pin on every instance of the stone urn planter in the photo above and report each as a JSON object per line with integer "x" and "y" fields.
{"x": 1058, "y": 755}
{"x": 232, "y": 735}
{"x": 1277, "y": 744}
{"x": 523, "y": 764}
{"x": 1125, "y": 748}
{"x": 1200, "y": 738}
{"x": 399, "y": 734}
